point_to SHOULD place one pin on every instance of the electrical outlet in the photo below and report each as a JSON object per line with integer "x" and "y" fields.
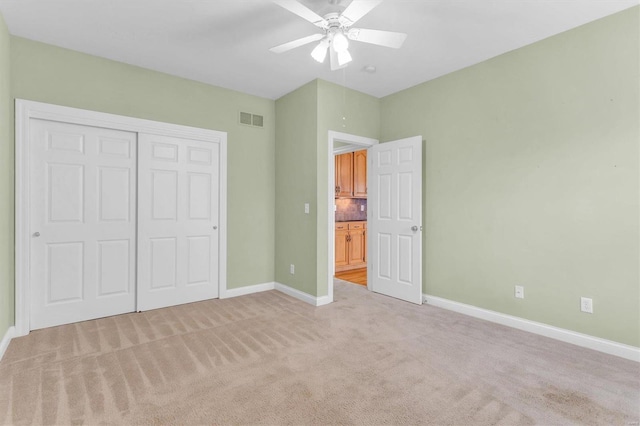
{"x": 362, "y": 208}
{"x": 586, "y": 305}
{"x": 292, "y": 269}
{"x": 519, "y": 292}
{"x": 306, "y": 208}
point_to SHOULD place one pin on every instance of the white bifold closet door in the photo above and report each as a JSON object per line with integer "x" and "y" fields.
{"x": 82, "y": 222}
{"x": 119, "y": 221}
{"x": 178, "y": 214}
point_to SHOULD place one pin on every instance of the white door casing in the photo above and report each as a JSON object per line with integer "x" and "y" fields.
{"x": 178, "y": 227}
{"x": 83, "y": 222}
{"x": 395, "y": 219}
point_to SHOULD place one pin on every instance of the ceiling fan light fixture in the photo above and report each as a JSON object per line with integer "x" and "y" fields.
{"x": 337, "y": 31}
{"x": 344, "y": 57}
{"x": 340, "y": 42}
{"x": 319, "y": 53}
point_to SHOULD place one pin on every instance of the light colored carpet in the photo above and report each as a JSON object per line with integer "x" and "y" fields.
{"x": 270, "y": 359}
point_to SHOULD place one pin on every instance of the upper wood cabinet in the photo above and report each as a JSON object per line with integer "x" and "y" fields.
{"x": 360, "y": 174}
{"x": 351, "y": 175}
{"x": 344, "y": 175}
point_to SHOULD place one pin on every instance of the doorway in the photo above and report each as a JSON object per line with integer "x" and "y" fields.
{"x": 341, "y": 143}
{"x": 394, "y": 215}
{"x": 351, "y": 216}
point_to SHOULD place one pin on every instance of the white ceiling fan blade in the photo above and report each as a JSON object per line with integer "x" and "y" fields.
{"x": 296, "y": 43}
{"x": 333, "y": 58}
{"x": 381, "y": 38}
{"x": 356, "y": 10}
{"x": 303, "y": 12}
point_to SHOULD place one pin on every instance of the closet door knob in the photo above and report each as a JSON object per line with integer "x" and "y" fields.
{"x": 36, "y": 234}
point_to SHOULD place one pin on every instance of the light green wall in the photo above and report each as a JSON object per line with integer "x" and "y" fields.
{"x": 296, "y": 124}
{"x": 6, "y": 186}
{"x": 348, "y": 111}
{"x": 45, "y": 73}
{"x": 304, "y": 118}
{"x": 341, "y": 110}
{"x": 531, "y": 178}
{"x": 531, "y": 169}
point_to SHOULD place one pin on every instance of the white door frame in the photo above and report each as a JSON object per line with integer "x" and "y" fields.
{"x": 27, "y": 110}
{"x": 355, "y": 143}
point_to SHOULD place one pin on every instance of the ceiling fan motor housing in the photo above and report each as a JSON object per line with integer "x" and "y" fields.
{"x": 335, "y": 26}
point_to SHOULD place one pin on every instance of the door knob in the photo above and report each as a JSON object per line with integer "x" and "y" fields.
{"x": 414, "y": 228}
{"x": 215, "y": 227}
{"x": 36, "y": 234}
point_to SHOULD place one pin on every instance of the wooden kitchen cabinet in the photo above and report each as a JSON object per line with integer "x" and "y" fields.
{"x": 356, "y": 247}
{"x": 342, "y": 245}
{"x": 360, "y": 174}
{"x": 344, "y": 175}
{"x": 350, "y": 246}
{"x": 365, "y": 242}
{"x": 351, "y": 175}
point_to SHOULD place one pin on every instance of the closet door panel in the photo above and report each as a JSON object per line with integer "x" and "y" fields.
{"x": 82, "y": 222}
{"x": 178, "y": 246}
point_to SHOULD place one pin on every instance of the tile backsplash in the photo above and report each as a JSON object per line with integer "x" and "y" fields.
{"x": 348, "y": 209}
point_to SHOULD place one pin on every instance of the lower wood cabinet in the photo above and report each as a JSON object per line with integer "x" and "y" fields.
{"x": 350, "y": 245}
{"x": 342, "y": 246}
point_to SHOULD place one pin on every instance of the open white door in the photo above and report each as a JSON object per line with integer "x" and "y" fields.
{"x": 395, "y": 219}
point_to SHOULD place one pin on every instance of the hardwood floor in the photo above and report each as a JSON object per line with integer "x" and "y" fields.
{"x": 356, "y": 276}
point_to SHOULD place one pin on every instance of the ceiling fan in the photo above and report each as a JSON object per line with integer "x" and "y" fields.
{"x": 337, "y": 31}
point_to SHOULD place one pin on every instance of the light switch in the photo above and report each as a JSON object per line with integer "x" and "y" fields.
{"x": 362, "y": 208}
{"x": 306, "y": 208}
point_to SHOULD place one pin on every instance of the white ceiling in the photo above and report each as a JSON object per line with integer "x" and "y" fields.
{"x": 225, "y": 42}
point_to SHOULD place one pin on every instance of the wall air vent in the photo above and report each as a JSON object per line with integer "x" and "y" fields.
{"x": 245, "y": 118}
{"x": 253, "y": 120}
{"x": 257, "y": 120}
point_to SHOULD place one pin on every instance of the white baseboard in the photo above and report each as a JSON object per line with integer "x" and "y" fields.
{"x": 249, "y": 289}
{"x": 602, "y": 345}
{"x": 257, "y": 288}
{"x": 323, "y": 300}
{"x": 305, "y": 297}
{"x": 4, "y": 343}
